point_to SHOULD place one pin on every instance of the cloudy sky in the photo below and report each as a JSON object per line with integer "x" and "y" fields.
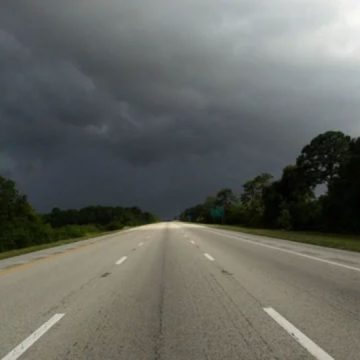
{"x": 161, "y": 103}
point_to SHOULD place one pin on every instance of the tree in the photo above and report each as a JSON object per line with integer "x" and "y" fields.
{"x": 225, "y": 197}
{"x": 332, "y": 159}
{"x": 292, "y": 199}
{"x": 208, "y": 205}
{"x": 101, "y": 216}
{"x": 193, "y": 214}
{"x": 342, "y": 203}
{"x": 13, "y": 205}
{"x": 272, "y": 200}
{"x": 252, "y": 199}
{"x": 213, "y": 210}
{"x": 236, "y": 214}
{"x": 19, "y": 224}
{"x": 321, "y": 160}
{"x": 253, "y": 189}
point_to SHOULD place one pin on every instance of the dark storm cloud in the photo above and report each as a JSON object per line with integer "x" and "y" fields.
{"x": 159, "y": 103}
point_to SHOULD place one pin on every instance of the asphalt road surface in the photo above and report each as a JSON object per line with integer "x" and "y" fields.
{"x": 178, "y": 291}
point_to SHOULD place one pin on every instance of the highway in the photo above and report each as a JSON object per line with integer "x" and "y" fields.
{"x": 181, "y": 291}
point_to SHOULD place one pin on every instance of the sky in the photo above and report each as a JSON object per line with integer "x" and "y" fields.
{"x": 161, "y": 103}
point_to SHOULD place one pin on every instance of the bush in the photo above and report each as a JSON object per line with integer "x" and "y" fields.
{"x": 20, "y": 234}
{"x": 114, "y": 225}
{"x": 74, "y": 231}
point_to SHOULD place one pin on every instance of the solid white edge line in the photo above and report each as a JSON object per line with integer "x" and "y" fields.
{"x": 349, "y": 267}
{"x": 209, "y": 257}
{"x": 301, "y": 338}
{"x": 120, "y": 261}
{"x": 36, "y": 335}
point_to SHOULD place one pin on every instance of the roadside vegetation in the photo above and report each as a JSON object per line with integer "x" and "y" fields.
{"x": 21, "y": 227}
{"x": 316, "y": 196}
{"x": 337, "y": 241}
{"x": 29, "y": 249}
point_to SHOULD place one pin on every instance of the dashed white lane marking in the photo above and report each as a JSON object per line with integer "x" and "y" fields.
{"x": 35, "y": 336}
{"x": 120, "y": 261}
{"x": 209, "y": 257}
{"x": 192, "y": 242}
{"x": 349, "y": 267}
{"x": 141, "y": 244}
{"x": 301, "y": 338}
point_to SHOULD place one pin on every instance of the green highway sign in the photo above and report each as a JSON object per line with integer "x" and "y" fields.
{"x": 217, "y": 213}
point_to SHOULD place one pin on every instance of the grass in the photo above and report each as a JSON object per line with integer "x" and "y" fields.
{"x": 337, "y": 241}
{"x": 26, "y": 250}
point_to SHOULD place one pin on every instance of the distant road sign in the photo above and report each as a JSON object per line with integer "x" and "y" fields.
{"x": 217, "y": 213}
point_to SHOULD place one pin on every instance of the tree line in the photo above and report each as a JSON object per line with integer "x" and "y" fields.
{"x": 21, "y": 226}
{"x": 320, "y": 192}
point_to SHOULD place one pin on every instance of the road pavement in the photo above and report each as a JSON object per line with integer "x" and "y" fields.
{"x": 181, "y": 291}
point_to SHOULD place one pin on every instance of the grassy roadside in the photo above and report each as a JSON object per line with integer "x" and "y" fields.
{"x": 16, "y": 252}
{"x": 337, "y": 241}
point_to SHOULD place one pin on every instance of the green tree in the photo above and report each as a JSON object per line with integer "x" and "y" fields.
{"x": 332, "y": 159}
{"x": 342, "y": 203}
{"x": 272, "y": 200}
{"x": 193, "y": 214}
{"x": 13, "y": 205}
{"x": 105, "y": 217}
{"x": 321, "y": 160}
{"x": 225, "y": 197}
{"x": 252, "y": 199}
{"x": 291, "y": 195}
{"x": 253, "y": 189}
{"x": 20, "y": 226}
{"x": 236, "y": 214}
